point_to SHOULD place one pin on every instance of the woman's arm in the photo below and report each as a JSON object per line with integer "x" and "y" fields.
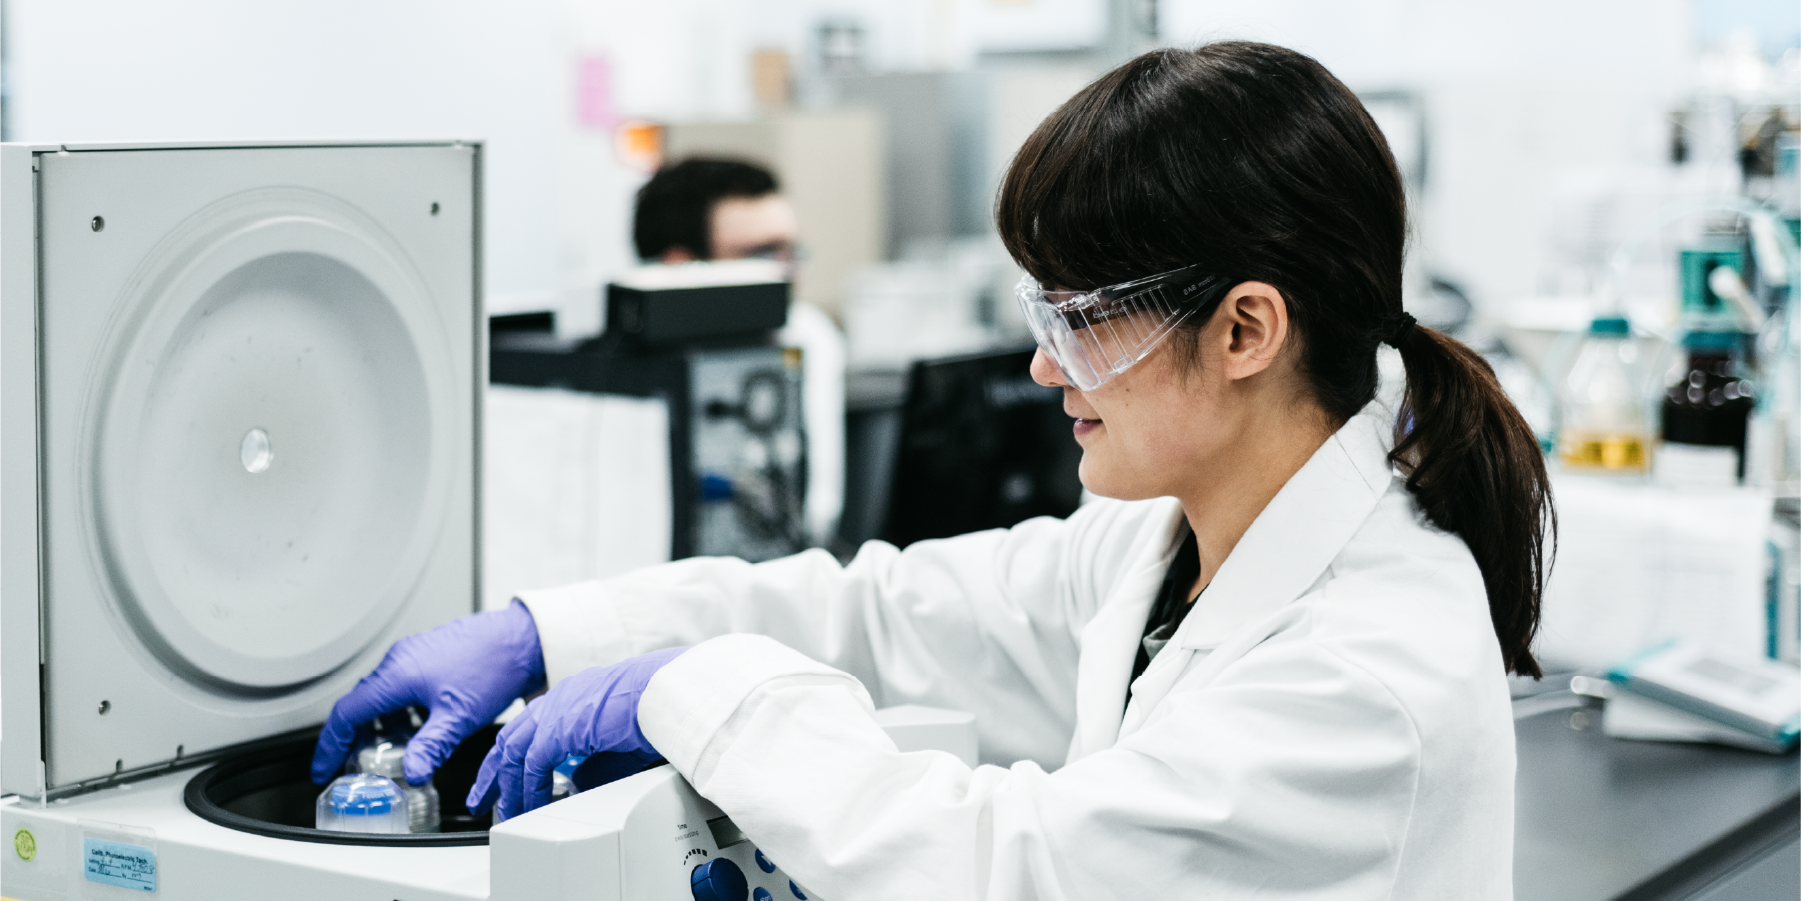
{"x": 1292, "y": 773}
{"x": 986, "y": 622}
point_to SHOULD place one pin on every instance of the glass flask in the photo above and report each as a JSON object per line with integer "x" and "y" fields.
{"x": 1605, "y": 427}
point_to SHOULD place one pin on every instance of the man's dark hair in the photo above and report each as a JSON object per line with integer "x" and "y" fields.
{"x": 675, "y": 205}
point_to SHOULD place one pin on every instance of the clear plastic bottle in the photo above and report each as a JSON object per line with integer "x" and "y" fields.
{"x": 1605, "y": 427}
{"x": 387, "y": 758}
{"x": 562, "y": 779}
{"x": 362, "y": 802}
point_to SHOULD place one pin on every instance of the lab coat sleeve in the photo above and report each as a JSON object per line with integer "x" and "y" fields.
{"x": 986, "y": 623}
{"x": 1291, "y": 774}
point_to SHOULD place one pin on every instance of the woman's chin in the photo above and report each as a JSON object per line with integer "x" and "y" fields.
{"x": 1095, "y": 477}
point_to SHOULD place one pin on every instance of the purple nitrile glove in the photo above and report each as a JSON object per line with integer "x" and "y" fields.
{"x": 594, "y": 711}
{"x": 466, "y": 672}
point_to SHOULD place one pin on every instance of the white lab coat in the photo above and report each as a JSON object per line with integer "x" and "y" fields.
{"x": 1331, "y": 720}
{"x": 822, "y": 405}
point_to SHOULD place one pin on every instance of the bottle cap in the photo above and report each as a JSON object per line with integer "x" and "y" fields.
{"x": 1609, "y": 325}
{"x": 364, "y": 794}
{"x": 384, "y": 758}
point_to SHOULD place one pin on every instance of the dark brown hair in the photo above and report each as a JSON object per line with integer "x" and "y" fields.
{"x": 675, "y": 205}
{"x": 1254, "y": 161}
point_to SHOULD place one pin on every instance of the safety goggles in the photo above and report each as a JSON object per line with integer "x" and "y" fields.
{"x": 1095, "y": 335}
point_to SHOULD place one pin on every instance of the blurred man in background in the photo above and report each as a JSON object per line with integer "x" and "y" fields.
{"x": 716, "y": 209}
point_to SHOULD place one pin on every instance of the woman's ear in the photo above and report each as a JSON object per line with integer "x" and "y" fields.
{"x": 1256, "y": 318}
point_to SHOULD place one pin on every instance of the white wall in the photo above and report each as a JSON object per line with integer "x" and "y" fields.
{"x": 230, "y": 69}
{"x": 509, "y": 73}
{"x": 1518, "y": 94}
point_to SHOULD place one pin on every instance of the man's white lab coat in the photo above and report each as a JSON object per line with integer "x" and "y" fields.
{"x": 1330, "y": 721}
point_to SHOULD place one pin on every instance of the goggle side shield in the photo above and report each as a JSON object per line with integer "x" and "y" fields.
{"x": 1095, "y": 335}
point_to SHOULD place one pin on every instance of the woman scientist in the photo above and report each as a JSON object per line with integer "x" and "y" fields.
{"x": 1273, "y": 666}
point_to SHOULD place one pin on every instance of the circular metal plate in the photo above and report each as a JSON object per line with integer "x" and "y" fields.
{"x": 268, "y": 453}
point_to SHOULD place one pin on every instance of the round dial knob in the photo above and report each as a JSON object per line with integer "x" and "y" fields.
{"x": 719, "y": 880}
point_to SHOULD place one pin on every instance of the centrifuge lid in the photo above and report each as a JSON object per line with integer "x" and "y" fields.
{"x": 253, "y": 421}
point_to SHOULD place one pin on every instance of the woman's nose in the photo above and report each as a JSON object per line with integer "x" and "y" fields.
{"x": 1045, "y": 372}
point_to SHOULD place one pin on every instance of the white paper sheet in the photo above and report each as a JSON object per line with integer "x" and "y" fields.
{"x": 576, "y": 486}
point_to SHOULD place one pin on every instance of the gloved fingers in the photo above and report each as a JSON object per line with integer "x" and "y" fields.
{"x": 449, "y": 723}
{"x": 549, "y": 748}
{"x": 486, "y": 789}
{"x": 498, "y": 782}
{"x": 377, "y": 693}
{"x": 512, "y": 770}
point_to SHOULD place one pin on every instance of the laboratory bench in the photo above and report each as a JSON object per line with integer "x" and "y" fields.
{"x": 1599, "y": 819}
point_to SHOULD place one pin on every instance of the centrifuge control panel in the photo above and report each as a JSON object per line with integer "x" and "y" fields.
{"x": 647, "y": 837}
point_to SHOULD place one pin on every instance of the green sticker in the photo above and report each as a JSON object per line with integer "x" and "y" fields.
{"x": 25, "y": 844}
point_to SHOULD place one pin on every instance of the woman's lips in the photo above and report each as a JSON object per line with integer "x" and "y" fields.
{"x": 1084, "y": 426}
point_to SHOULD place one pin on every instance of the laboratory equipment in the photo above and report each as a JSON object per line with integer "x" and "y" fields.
{"x": 1708, "y": 399}
{"x": 737, "y": 439}
{"x": 238, "y": 425}
{"x": 235, "y": 828}
{"x": 386, "y": 758}
{"x": 238, "y": 432}
{"x": 980, "y": 446}
{"x": 1605, "y": 426}
{"x": 364, "y": 802}
{"x": 1787, "y": 171}
{"x": 237, "y": 411}
{"x": 1759, "y": 698}
{"x": 662, "y": 306}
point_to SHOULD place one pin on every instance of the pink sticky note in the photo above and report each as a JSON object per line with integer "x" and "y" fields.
{"x": 594, "y": 92}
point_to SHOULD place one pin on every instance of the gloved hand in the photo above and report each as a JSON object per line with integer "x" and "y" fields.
{"x": 466, "y": 672}
{"x": 594, "y": 711}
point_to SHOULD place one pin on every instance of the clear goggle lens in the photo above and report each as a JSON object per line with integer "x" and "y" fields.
{"x": 1095, "y": 335}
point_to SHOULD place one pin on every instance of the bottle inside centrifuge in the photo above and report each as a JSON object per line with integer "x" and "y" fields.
{"x": 362, "y": 802}
{"x": 1604, "y": 427}
{"x": 386, "y": 758}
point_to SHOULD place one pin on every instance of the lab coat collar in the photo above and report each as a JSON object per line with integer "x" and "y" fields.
{"x": 1281, "y": 555}
{"x": 1297, "y": 536}
{"x": 1110, "y": 640}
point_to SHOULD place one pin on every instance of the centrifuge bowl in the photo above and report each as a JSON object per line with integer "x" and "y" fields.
{"x": 271, "y": 792}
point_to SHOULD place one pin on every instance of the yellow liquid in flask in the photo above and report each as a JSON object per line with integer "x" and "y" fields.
{"x": 1623, "y": 453}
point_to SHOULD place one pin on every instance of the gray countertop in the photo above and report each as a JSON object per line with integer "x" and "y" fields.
{"x": 1599, "y": 818}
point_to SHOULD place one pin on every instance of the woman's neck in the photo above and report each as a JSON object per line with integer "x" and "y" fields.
{"x": 1265, "y": 456}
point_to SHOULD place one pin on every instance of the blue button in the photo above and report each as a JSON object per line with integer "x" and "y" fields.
{"x": 761, "y": 894}
{"x": 718, "y": 880}
{"x": 796, "y": 890}
{"x": 763, "y": 863}
{"x": 715, "y": 487}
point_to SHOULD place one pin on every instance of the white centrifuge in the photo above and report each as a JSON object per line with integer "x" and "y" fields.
{"x": 239, "y": 455}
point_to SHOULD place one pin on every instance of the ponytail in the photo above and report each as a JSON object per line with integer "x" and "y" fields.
{"x": 1253, "y": 160}
{"x": 1476, "y": 470}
